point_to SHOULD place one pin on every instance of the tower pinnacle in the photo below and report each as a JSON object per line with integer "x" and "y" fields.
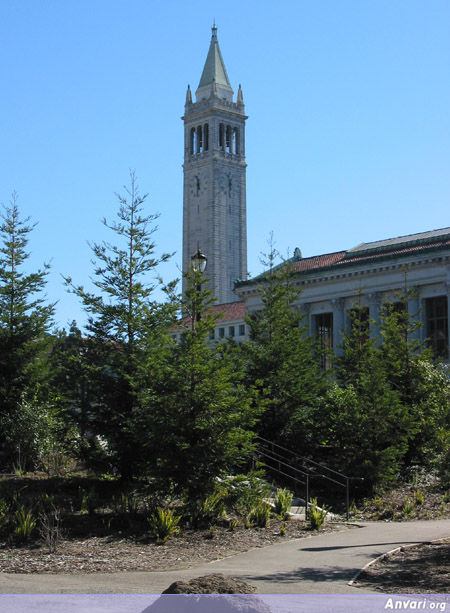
{"x": 214, "y": 71}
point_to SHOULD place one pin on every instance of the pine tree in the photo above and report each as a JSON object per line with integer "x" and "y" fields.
{"x": 282, "y": 362}
{"x": 198, "y": 418}
{"x": 422, "y": 386}
{"x": 126, "y": 325}
{"x": 25, "y": 317}
{"x": 367, "y": 424}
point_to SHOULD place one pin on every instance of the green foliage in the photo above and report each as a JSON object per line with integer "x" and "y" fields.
{"x": 240, "y": 493}
{"x": 24, "y": 525}
{"x": 281, "y": 361}
{"x": 90, "y": 501}
{"x": 283, "y": 529}
{"x": 197, "y": 417}
{"x": 208, "y": 509}
{"x": 4, "y": 516}
{"x": 317, "y": 516}
{"x": 25, "y": 321}
{"x": 408, "y": 508}
{"x": 35, "y": 435}
{"x": 126, "y": 329}
{"x": 259, "y": 515}
{"x": 163, "y": 523}
{"x": 389, "y": 408}
{"x": 419, "y": 497}
{"x": 282, "y": 503}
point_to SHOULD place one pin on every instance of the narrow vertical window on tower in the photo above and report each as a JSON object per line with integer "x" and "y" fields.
{"x": 221, "y": 136}
{"x": 192, "y": 141}
{"x": 228, "y": 141}
{"x": 199, "y": 139}
{"x": 236, "y": 148}
{"x": 205, "y": 137}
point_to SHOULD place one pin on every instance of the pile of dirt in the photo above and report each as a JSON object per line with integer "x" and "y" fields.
{"x": 210, "y": 584}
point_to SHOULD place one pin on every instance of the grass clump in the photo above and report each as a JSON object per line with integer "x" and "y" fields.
{"x": 317, "y": 516}
{"x": 259, "y": 515}
{"x": 282, "y": 503}
{"x": 163, "y": 524}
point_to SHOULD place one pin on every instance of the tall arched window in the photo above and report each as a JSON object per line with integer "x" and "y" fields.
{"x": 221, "y": 136}
{"x": 205, "y": 137}
{"x": 199, "y": 139}
{"x": 228, "y": 141}
{"x": 192, "y": 141}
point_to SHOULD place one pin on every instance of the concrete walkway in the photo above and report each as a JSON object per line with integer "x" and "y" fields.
{"x": 316, "y": 565}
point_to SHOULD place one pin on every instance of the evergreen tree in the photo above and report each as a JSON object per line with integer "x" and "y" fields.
{"x": 25, "y": 317}
{"x": 282, "y": 362}
{"x": 126, "y": 326}
{"x": 423, "y": 388}
{"x": 366, "y": 423}
{"x": 198, "y": 419}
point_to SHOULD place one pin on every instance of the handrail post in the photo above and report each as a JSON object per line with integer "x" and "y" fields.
{"x": 307, "y": 497}
{"x": 348, "y": 497}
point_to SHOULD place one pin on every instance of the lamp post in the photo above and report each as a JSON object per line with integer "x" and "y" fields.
{"x": 199, "y": 261}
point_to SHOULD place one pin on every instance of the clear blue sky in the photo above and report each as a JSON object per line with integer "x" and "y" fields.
{"x": 347, "y": 138}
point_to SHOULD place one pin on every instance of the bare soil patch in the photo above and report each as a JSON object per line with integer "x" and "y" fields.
{"x": 108, "y": 554}
{"x": 424, "y": 569}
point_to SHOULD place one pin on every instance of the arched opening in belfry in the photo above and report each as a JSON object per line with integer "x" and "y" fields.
{"x": 221, "y": 136}
{"x": 199, "y": 139}
{"x": 228, "y": 140}
{"x": 205, "y": 137}
{"x": 236, "y": 143}
{"x": 192, "y": 141}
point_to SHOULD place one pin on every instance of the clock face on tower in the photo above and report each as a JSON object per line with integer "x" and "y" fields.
{"x": 197, "y": 185}
{"x": 226, "y": 185}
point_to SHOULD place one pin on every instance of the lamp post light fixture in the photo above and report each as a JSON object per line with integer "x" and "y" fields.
{"x": 199, "y": 261}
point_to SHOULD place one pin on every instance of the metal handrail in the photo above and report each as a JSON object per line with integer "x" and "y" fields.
{"x": 311, "y": 472}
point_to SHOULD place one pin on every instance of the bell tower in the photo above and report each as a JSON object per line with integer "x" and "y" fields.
{"x": 214, "y": 203}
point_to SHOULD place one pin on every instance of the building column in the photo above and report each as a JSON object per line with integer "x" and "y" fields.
{"x": 414, "y": 311}
{"x": 306, "y": 310}
{"x": 374, "y": 314}
{"x": 338, "y": 324}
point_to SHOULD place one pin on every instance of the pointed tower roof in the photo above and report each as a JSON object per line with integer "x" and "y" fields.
{"x": 214, "y": 79}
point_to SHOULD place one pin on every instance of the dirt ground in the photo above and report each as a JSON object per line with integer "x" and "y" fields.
{"x": 108, "y": 554}
{"x": 424, "y": 569}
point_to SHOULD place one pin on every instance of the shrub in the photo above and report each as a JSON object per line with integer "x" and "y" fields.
{"x": 50, "y": 528}
{"x": 90, "y": 500}
{"x": 317, "y": 516}
{"x": 163, "y": 524}
{"x": 259, "y": 515}
{"x": 4, "y": 516}
{"x": 418, "y": 497}
{"x": 283, "y": 529}
{"x": 408, "y": 508}
{"x": 207, "y": 510}
{"x": 282, "y": 503}
{"x": 25, "y": 523}
{"x": 240, "y": 493}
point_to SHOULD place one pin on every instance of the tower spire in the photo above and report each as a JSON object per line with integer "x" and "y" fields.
{"x": 214, "y": 71}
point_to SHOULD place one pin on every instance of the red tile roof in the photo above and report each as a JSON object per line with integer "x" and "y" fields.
{"x": 231, "y": 311}
{"x": 366, "y": 252}
{"x": 318, "y": 261}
